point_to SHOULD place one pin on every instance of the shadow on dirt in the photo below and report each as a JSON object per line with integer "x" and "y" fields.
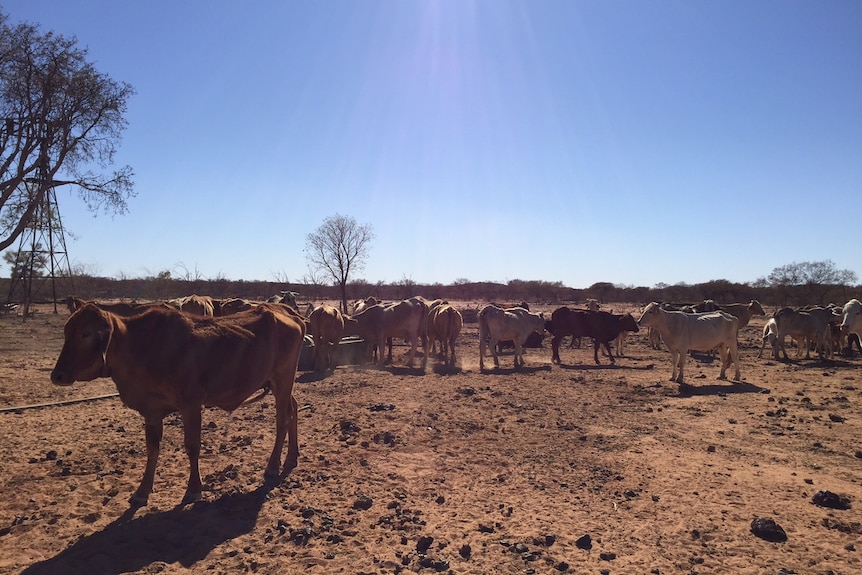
{"x": 593, "y": 366}
{"x": 686, "y": 390}
{"x": 510, "y": 371}
{"x": 181, "y": 535}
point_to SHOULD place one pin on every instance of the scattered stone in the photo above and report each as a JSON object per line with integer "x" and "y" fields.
{"x": 465, "y": 552}
{"x": 468, "y": 391}
{"x": 584, "y": 542}
{"x": 485, "y": 528}
{"x": 424, "y": 544}
{"x": 837, "y": 418}
{"x": 382, "y": 407}
{"x": 562, "y": 566}
{"x": 831, "y": 500}
{"x": 363, "y": 502}
{"x": 768, "y": 529}
{"x": 607, "y": 556}
{"x": 348, "y": 426}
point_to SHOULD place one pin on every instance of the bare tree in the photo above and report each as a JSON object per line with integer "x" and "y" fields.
{"x": 812, "y": 280}
{"x": 338, "y": 248}
{"x": 60, "y": 119}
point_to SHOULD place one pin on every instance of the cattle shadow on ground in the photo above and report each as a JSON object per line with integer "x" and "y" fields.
{"x": 440, "y": 368}
{"x": 183, "y": 535}
{"x": 815, "y": 363}
{"x": 601, "y": 366}
{"x": 686, "y": 390}
{"x": 512, "y": 370}
{"x": 312, "y": 376}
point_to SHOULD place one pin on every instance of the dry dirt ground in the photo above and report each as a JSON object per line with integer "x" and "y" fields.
{"x": 575, "y": 468}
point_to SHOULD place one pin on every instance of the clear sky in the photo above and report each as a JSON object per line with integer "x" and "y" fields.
{"x": 577, "y": 141}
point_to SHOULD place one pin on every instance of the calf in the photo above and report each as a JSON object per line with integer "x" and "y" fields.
{"x": 326, "y": 326}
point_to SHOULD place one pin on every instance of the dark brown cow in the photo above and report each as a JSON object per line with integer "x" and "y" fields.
{"x": 164, "y": 361}
{"x": 326, "y": 326}
{"x": 603, "y": 327}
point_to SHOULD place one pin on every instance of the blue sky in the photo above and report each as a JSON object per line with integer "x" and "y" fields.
{"x": 575, "y": 141}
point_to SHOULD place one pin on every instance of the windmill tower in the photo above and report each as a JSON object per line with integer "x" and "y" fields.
{"x": 42, "y": 259}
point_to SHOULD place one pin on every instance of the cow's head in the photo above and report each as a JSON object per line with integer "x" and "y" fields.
{"x": 852, "y": 316}
{"x": 83, "y": 357}
{"x": 649, "y": 314}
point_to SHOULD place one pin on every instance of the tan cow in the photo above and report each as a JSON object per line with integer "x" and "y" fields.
{"x": 164, "y": 361}
{"x": 516, "y": 324}
{"x": 195, "y": 305}
{"x": 378, "y": 323}
{"x": 742, "y": 311}
{"x": 444, "y": 323}
{"x": 326, "y": 326}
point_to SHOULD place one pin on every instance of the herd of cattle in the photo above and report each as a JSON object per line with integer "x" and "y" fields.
{"x": 194, "y": 352}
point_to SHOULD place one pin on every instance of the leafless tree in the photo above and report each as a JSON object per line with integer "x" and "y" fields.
{"x": 60, "y": 123}
{"x": 338, "y": 248}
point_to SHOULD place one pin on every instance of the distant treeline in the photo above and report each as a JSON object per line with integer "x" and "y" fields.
{"x": 543, "y": 292}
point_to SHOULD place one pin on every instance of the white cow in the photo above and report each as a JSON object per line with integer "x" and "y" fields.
{"x": 496, "y": 323}
{"x": 682, "y": 332}
{"x": 811, "y": 324}
{"x": 851, "y": 317}
{"x": 770, "y": 334}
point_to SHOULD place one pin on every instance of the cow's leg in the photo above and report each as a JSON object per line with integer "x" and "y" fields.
{"x": 192, "y": 441}
{"x": 424, "y": 341}
{"x": 723, "y": 356}
{"x": 414, "y": 342}
{"x": 481, "y": 350}
{"x": 451, "y": 351}
{"x": 734, "y": 356}
{"x": 494, "y": 343}
{"x": 285, "y": 427}
{"x": 519, "y": 353}
{"x": 683, "y": 357}
{"x": 555, "y": 349}
{"x": 153, "y": 430}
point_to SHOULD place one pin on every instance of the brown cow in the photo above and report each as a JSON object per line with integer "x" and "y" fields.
{"x": 164, "y": 361}
{"x": 326, "y": 326}
{"x": 444, "y": 323}
{"x": 124, "y": 309}
{"x": 231, "y": 305}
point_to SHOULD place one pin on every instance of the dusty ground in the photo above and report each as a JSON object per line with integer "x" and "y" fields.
{"x": 463, "y": 472}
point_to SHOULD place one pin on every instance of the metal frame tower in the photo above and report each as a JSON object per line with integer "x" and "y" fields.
{"x": 43, "y": 247}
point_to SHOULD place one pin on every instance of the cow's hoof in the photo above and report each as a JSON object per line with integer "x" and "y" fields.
{"x": 190, "y": 498}
{"x": 139, "y": 500}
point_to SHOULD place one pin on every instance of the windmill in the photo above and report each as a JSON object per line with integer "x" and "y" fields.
{"x": 41, "y": 259}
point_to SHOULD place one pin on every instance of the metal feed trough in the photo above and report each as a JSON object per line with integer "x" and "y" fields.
{"x": 350, "y": 351}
